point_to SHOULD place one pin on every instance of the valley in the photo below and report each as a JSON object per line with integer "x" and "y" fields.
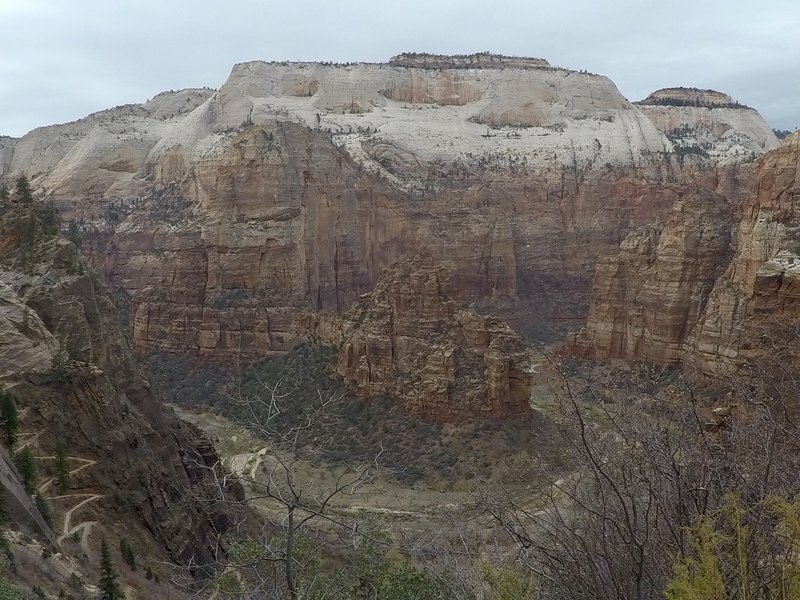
{"x": 475, "y": 326}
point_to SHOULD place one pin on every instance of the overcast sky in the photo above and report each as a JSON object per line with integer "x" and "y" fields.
{"x": 63, "y": 59}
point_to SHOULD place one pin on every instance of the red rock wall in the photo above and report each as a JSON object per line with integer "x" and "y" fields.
{"x": 410, "y": 338}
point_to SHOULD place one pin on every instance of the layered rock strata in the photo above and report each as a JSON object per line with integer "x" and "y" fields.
{"x": 409, "y": 338}
{"x": 709, "y": 123}
{"x": 756, "y": 302}
{"x": 679, "y": 292}
{"x": 222, "y": 214}
{"x": 647, "y": 299}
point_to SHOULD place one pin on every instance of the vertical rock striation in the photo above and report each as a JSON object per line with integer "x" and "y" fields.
{"x": 702, "y": 289}
{"x": 223, "y": 214}
{"x": 409, "y": 338}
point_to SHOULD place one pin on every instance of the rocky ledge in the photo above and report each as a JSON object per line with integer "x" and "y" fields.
{"x": 688, "y": 96}
{"x": 478, "y": 60}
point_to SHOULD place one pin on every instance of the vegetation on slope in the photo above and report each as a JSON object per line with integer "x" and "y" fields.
{"x": 355, "y": 428}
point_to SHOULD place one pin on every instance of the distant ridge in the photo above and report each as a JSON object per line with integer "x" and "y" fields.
{"x": 478, "y": 60}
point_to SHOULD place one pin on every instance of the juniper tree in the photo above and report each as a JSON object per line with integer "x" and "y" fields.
{"x": 127, "y": 553}
{"x": 62, "y": 472}
{"x": 44, "y": 509}
{"x": 26, "y": 465}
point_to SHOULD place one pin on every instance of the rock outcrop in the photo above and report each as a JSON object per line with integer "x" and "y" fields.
{"x": 683, "y": 96}
{"x": 647, "y": 299}
{"x": 223, "y": 214}
{"x": 679, "y": 292}
{"x": 709, "y": 123}
{"x": 479, "y": 60}
{"x": 410, "y": 339}
{"x": 756, "y": 302}
{"x": 72, "y": 372}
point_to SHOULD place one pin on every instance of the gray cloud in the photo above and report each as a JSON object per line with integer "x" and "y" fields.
{"x": 62, "y": 60}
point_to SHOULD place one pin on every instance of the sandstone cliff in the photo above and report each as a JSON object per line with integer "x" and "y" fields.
{"x": 71, "y": 370}
{"x": 681, "y": 292}
{"x": 708, "y": 123}
{"x": 755, "y": 305}
{"x": 647, "y": 299}
{"x": 223, "y": 214}
{"x": 409, "y": 338}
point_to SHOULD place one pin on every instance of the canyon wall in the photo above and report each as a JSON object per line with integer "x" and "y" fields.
{"x": 714, "y": 286}
{"x": 71, "y": 369}
{"x": 224, "y": 214}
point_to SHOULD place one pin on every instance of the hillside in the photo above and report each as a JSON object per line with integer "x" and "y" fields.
{"x": 130, "y": 470}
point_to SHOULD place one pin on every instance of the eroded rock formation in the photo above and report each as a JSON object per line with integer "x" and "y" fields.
{"x": 755, "y": 305}
{"x": 679, "y": 292}
{"x": 646, "y": 300}
{"x": 708, "y": 123}
{"x": 411, "y": 339}
{"x": 222, "y": 214}
{"x": 71, "y": 370}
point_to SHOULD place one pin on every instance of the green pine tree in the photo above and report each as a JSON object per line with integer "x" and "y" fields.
{"x": 22, "y": 190}
{"x": 26, "y": 465}
{"x": 3, "y": 192}
{"x": 127, "y": 553}
{"x": 50, "y": 219}
{"x": 3, "y": 506}
{"x": 62, "y": 471}
{"x": 74, "y": 233}
{"x": 41, "y": 504}
{"x": 9, "y": 418}
{"x": 109, "y": 587}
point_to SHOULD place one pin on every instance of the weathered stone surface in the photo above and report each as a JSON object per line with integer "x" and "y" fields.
{"x": 296, "y": 184}
{"x": 681, "y": 293}
{"x": 409, "y": 338}
{"x": 725, "y": 135}
{"x": 647, "y": 299}
{"x": 25, "y": 343}
{"x": 709, "y": 123}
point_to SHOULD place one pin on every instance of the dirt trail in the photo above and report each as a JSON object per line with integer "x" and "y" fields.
{"x": 239, "y": 463}
{"x": 31, "y": 437}
{"x": 85, "y": 528}
{"x": 68, "y": 515}
{"x": 87, "y": 463}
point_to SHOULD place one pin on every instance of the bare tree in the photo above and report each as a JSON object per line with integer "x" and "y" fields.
{"x": 644, "y": 474}
{"x": 295, "y": 501}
